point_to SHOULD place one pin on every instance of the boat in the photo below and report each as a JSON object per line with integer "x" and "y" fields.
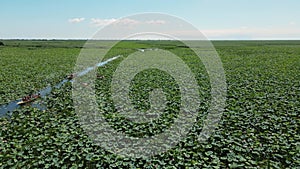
{"x": 70, "y": 77}
{"x": 32, "y": 98}
{"x": 100, "y": 76}
{"x": 24, "y": 102}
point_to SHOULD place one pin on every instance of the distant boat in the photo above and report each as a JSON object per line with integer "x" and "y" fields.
{"x": 32, "y": 98}
{"x": 24, "y": 102}
{"x": 70, "y": 77}
{"x": 100, "y": 76}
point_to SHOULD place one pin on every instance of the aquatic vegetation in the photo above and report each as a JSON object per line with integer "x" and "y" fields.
{"x": 24, "y": 71}
{"x": 259, "y": 128}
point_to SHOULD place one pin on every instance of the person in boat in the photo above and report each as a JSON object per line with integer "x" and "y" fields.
{"x": 25, "y": 98}
{"x": 71, "y": 76}
{"x": 32, "y": 96}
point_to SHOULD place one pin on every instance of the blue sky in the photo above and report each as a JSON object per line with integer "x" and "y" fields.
{"x": 217, "y": 19}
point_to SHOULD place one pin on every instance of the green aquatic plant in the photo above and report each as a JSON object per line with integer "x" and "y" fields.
{"x": 259, "y": 128}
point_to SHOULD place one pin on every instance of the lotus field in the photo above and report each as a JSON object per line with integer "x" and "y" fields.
{"x": 259, "y": 127}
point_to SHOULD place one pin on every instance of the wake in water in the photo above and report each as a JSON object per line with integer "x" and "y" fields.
{"x": 10, "y": 107}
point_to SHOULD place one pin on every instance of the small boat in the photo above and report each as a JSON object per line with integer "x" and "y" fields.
{"x": 31, "y": 99}
{"x": 100, "y": 77}
{"x": 70, "y": 77}
{"x": 24, "y": 102}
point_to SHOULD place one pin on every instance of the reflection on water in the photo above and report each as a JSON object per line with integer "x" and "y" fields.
{"x": 7, "y": 109}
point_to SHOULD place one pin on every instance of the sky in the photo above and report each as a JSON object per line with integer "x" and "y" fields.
{"x": 216, "y": 19}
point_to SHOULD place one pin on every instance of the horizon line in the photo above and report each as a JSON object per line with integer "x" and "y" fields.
{"x": 83, "y": 39}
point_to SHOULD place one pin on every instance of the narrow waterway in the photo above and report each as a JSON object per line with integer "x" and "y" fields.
{"x": 7, "y": 109}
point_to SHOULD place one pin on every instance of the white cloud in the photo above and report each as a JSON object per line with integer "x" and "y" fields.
{"x": 156, "y": 22}
{"x": 102, "y": 22}
{"x": 76, "y": 20}
{"x": 253, "y": 33}
{"x": 125, "y": 21}
{"x": 241, "y": 33}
